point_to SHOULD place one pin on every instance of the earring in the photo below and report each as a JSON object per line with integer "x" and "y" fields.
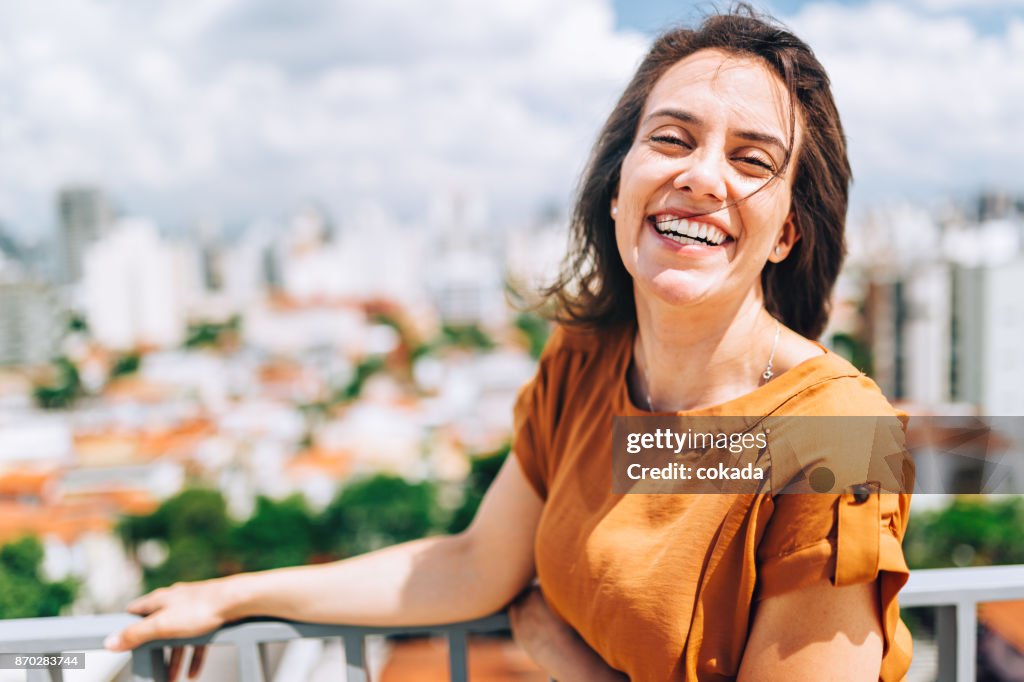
{"x": 778, "y": 249}
{"x": 615, "y": 211}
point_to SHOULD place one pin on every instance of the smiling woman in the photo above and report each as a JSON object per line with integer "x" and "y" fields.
{"x": 708, "y": 235}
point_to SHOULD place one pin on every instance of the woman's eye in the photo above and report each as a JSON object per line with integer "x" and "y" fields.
{"x": 669, "y": 139}
{"x": 756, "y": 161}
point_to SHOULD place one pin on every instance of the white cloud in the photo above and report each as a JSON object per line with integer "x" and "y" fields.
{"x": 930, "y": 103}
{"x": 245, "y": 107}
{"x": 241, "y": 108}
{"x": 971, "y": 5}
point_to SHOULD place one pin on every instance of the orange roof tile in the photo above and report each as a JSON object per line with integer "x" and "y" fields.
{"x": 26, "y": 481}
{"x": 336, "y": 463}
{"x": 67, "y": 522}
{"x": 136, "y": 389}
{"x": 112, "y": 446}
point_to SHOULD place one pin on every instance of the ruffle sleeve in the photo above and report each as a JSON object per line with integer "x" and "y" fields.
{"x": 851, "y": 538}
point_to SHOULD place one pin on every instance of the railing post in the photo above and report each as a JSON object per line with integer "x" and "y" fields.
{"x": 148, "y": 665}
{"x": 355, "y": 657}
{"x": 52, "y": 673}
{"x": 945, "y": 640}
{"x": 250, "y": 662}
{"x": 966, "y": 640}
{"x": 956, "y": 634}
{"x": 458, "y": 659}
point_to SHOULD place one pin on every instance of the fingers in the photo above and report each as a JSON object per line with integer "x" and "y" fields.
{"x": 147, "y": 603}
{"x": 132, "y": 636}
{"x": 197, "y": 662}
{"x": 175, "y": 663}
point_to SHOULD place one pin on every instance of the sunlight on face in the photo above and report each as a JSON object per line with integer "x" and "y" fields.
{"x": 699, "y": 207}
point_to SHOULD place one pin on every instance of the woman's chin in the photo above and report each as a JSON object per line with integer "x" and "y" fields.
{"x": 677, "y": 289}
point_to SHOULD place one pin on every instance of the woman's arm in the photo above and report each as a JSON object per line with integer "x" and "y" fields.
{"x": 822, "y": 632}
{"x": 554, "y": 645}
{"x": 432, "y": 580}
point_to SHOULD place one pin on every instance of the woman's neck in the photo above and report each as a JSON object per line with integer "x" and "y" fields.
{"x": 694, "y": 358}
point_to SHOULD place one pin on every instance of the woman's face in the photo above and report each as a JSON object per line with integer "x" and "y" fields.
{"x": 690, "y": 225}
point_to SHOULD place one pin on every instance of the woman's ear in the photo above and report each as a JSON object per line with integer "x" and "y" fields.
{"x": 787, "y": 239}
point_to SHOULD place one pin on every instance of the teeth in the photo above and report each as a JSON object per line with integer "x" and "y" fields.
{"x": 685, "y": 240}
{"x": 693, "y": 230}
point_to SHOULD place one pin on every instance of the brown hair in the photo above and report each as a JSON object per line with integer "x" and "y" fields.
{"x": 594, "y": 287}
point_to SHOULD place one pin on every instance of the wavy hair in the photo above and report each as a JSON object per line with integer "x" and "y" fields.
{"x": 594, "y": 288}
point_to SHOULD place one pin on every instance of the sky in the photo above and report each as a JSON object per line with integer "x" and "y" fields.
{"x": 235, "y": 110}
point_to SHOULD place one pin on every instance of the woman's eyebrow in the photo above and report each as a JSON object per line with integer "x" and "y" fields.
{"x": 752, "y": 135}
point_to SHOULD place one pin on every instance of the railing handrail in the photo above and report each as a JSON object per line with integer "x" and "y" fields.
{"x": 955, "y": 592}
{"x": 947, "y": 586}
{"x": 37, "y": 635}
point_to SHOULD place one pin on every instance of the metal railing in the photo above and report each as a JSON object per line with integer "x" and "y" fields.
{"x": 84, "y": 633}
{"x": 954, "y": 592}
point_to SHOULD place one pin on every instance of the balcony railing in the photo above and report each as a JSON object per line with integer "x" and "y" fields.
{"x": 954, "y": 592}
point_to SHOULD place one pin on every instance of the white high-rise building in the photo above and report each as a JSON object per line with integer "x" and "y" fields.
{"x": 135, "y": 286}
{"x": 32, "y": 320}
{"x": 988, "y": 368}
{"x": 85, "y": 215}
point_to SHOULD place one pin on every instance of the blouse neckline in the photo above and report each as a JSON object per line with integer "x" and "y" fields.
{"x": 762, "y": 400}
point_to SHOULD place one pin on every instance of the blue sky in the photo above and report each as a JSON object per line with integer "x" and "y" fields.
{"x": 233, "y": 111}
{"x": 651, "y": 15}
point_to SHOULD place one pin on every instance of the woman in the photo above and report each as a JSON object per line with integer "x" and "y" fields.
{"x": 708, "y": 232}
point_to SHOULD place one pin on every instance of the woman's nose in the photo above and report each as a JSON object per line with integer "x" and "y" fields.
{"x": 702, "y": 177}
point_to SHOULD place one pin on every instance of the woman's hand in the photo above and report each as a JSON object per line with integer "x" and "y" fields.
{"x": 182, "y": 610}
{"x": 553, "y": 644}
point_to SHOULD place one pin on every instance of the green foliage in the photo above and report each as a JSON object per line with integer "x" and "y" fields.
{"x": 482, "y": 470}
{"x": 536, "y": 329}
{"x": 369, "y": 513}
{"x": 22, "y": 557}
{"x": 210, "y": 334}
{"x": 853, "y": 349}
{"x": 63, "y": 390}
{"x": 195, "y": 527}
{"x": 466, "y": 336}
{"x": 364, "y": 370}
{"x": 77, "y": 323}
{"x": 279, "y": 533}
{"x": 24, "y": 593}
{"x": 125, "y": 364}
{"x": 188, "y": 558}
{"x": 378, "y": 511}
{"x": 969, "y": 532}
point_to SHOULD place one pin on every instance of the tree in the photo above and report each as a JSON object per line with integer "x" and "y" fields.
{"x": 24, "y": 593}
{"x": 970, "y": 531}
{"x": 536, "y": 329}
{"x": 125, "y": 364}
{"x": 468, "y": 336}
{"x": 482, "y": 471}
{"x": 213, "y": 334}
{"x": 374, "y": 512}
{"x": 62, "y": 390}
{"x": 364, "y": 370}
{"x": 279, "y": 533}
{"x": 195, "y": 527}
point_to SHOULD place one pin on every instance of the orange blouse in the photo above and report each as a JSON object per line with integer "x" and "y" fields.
{"x": 663, "y": 586}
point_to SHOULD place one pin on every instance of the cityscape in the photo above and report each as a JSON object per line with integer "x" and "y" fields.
{"x": 270, "y": 275}
{"x": 290, "y": 360}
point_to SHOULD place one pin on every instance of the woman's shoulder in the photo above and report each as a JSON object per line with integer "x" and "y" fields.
{"x": 829, "y": 385}
{"x": 584, "y": 342}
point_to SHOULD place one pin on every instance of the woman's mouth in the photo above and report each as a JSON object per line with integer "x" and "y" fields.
{"x": 688, "y": 232}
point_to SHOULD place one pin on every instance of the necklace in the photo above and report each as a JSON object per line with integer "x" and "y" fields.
{"x": 766, "y": 375}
